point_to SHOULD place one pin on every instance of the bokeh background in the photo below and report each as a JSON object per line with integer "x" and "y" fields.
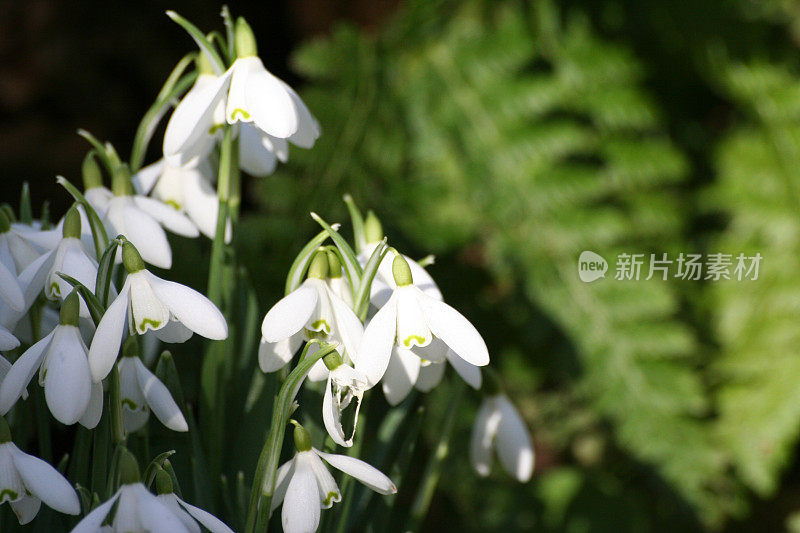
{"x": 506, "y": 137}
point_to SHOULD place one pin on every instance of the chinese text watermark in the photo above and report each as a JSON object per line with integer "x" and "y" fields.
{"x": 692, "y": 267}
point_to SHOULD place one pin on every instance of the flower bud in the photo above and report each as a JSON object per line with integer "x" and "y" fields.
{"x": 5, "y": 431}
{"x": 302, "y": 440}
{"x": 72, "y": 224}
{"x": 5, "y": 223}
{"x": 131, "y": 259}
{"x": 334, "y": 265}
{"x": 333, "y": 360}
{"x": 203, "y": 64}
{"x": 319, "y": 266}
{"x": 401, "y": 271}
{"x": 373, "y": 230}
{"x": 92, "y": 177}
{"x": 121, "y": 181}
{"x": 163, "y": 482}
{"x": 244, "y": 39}
{"x": 128, "y": 468}
{"x": 70, "y": 309}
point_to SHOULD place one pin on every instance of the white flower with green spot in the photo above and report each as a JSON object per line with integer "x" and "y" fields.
{"x": 146, "y": 302}
{"x": 27, "y": 481}
{"x": 304, "y": 486}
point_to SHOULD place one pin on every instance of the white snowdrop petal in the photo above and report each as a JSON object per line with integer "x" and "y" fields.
{"x": 255, "y": 152}
{"x": 319, "y": 372}
{"x": 484, "y": 430}
{"x": 376, "y": 345}
{"x": 94, "y": 410}
{"x": 191, "y": 308}
{"x": 145, "y": 179}
{"x": 7, "y": 340}
{"x": 10, "y": 290}
{"x": 307, "y": 126}
{"x": 400, "y": 376}
{"x": 331, "y": 417}
{"x": 148, "y": 312}
{"x": 44, "y": 482}
{"x": 126, "y": 516}
{"x": 171, "y": 501}
{"x": 514, "y": 447}
{"x": 92, "y": 522}
{"x": 412, "y": 330}
{"x": 167, "y": 216}
{"x": 282, "y": 478}
{"x": 270, "y": 105}
{"x": 34, "y": 276}
{"x": 26, "y": 509}
{"x": 154, "y": 515}
{"x": 202, "y": 205}
{"x": 108, "y": 336}
{"x": 68, "y": 383}
{"x": 99, "y": 198}
{"x": 455, "y": 330}
{"x": 430, "y": 376}
{"x": 21, "y": 373}
{"x": 209, "y": 521}
{"x": 469, "y": 373}
{"x": 365, "y": 473}
{"x": 328, "y": 489}
{"x": 301, "y": 505}
{"x": 423, "y": 281}
{"x": 159, "y": 399}
{"x": 290, "y": 314}
{"x": 173, "y": 332}
{"x": 272, "y": 356}
{"x": 135, "y": 411}
{"x": 147, "y": 236}
{"x": 348, "y": 329}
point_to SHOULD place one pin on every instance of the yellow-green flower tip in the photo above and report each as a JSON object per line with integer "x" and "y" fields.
{"x": 72, "y": 224}
{"x": 131, "y": 259}
{"x": 121, "y": 181}
{"x": 203, "y": 64}
{"x": 244, "y": 39}
{"x": 401, "y": 271}
{"x": 373, "y": 230}
{"x": 334, "y": 265}
{"x": 128, "y": 468}
{"x": 92, "y": 177}
{"x": 69, "y": 314}
{"x": 163, "y": 482}
{"x": 319, "y": 265}
{"x": 302, "y": 440}
{"x": 333, "y": 360}
{"x": 5, "y": 223}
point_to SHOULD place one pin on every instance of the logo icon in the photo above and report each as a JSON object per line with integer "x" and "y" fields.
{"x": 591, "y": 266}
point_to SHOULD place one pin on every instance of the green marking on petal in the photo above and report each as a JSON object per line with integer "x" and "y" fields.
{"x": 141, "y": 327}
{"x": 174, "y": 204}
{"x": 240, "y": 111}
{"x": 411, "y": 338}
{"x": 54, "y": 290}
{"x": 8, "y": 495}
{"x": 130, "y": 404}
{"x": 329, "y": 498}
{"x": 213, "y": 129}
{"x": 321, "y": 324}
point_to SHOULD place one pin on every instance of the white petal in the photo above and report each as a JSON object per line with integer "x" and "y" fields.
{"x": 173, "y": 332}
{"x": 92, "y": 522}
{"x": 514, "y": 447}
{"x": 319, "y": 372}
{"x": 68, "y": 383}
{"x": 307, "y": 127}
{"x": 202, "y": 205}
{"x": 33, "y": 278}
{"x": 21, "y": 373}
{"x": 301, "y": 505}
{"x": 209, "y": 521}
{"x": 71, "y": 259}
{"x": 44, "y": 482}
{"x": 98, "y": 198}
{"x": 412, "y": 330}
{"x": 400, "y": 376}
{"x": 469, "y": 373}
{"x": 331, "y": 417}
{"x": 255, "y": 152}
{"x": 366, "y": 474}
{"x": 348, "y": 329}
{"x": 26, "y": 508}
{"x": 10, "y": 290}
{"x": 135, "y": 411}
{"x": 455, "y": 330}
{"x": 282, "y": 478}
{"x": 154, "y": 515}
{"x": 377, "y": 343}
{"x": 126, "y": 517}
{"x": 171, "y": 501}
{"x": 272, "y": 356}
{"x": 94, "y": 410}
{"x": 484, "y": 430}
{"x": 144, "y": 180}
{"x": 328, "y": 489}
{"x": 108, "y": 337}
{"x": 147, "y": 235}
{"x": 193, "y": 117}
{"x": 160, "y": 399}
{"x": 430, "y": 376}
{"x": 167, "y": 216}
{"x": 290, "y": 314}
{"x": 191, "y": 308}
{"x": 7, "y": 340}
{"x": 267, "y": 100}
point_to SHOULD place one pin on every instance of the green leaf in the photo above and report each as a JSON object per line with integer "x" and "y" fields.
{"x": 298, "y": 269}
{"x": 105, "y": 272}
{"x": 109, "y": 161}
{"x": 358, "y": 223}
{"x": 351, "y": 266}
{"x": 95, "y": 308}
{"x": 361, "y": 298}
{"x": 25, "y": 209}
{"x": 200, "y": 39}
{"x": 98, "y": 230}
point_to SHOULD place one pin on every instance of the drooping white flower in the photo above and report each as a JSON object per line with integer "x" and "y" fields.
{"x": 141, "y": 391}
{"x": 31, "y": 280}
{"x": 304, "y": 486}
{"x": 140, "y": 220}
{"x": 137, "y": 509}
{"x": 499, "y": 426}
{"x": 147, "y": 302}
{"x": 27, "y": 481}
{"x": 186, "y": 188}
{"x": 188, "y": 514}
{"x": 61, "y": 359}
{"x": 345, "y": 387}
{"x": 412, "y": 320}
{"x": 10, "y": 289}
{"x": 311, "y": 309}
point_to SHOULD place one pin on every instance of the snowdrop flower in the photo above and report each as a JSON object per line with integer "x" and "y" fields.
{"x": 31, "y": 280}
{"x": 15, "y": 242}
{"x": 140, "y": 220}
{"x": 499, "y": 426}
{"x": 304, "y": 486}
{"x": 269, "y": 111}
{"x": 311, "y": 310}
{"x": 137, "y": 509}
{"x": 61, "y": 359}
{"x": 188, "y": 514}
{"x": 412, "y": 319}
{"x": 26, "y": 482}
{"x": 10, "y": 289}
{"x": 345, "y": 386}
{"x": 141, "y": 391}
{"x": 186, "y": 188}
{"x": 147, "y": 302}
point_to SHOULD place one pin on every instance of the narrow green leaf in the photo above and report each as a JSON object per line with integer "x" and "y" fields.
{"x": 351, "y": 266}
{"x": 105, "y": 272}
{"x": 200, "y": 39}
{"x": 98, "y": 230}
{"x": 300, "y": 264}
{"x": 25, "y": 209}
{"x": 358, "y": 223}
{"x": 101, "y": 150}
{"x": 45, "y": 218}
{"x": 149, "y": 474}
{"x": 361, "y": 299}
{"x": 95, "y": 308}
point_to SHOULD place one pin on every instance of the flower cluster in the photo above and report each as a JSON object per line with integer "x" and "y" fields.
{"x": 80, "y": 309}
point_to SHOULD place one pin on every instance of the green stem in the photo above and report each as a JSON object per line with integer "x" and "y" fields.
{"x": 430, "y": 479}
{"x": 264, "y": 479}
{"x": 226, "y": 173}
{"x": 115, "y": 407}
